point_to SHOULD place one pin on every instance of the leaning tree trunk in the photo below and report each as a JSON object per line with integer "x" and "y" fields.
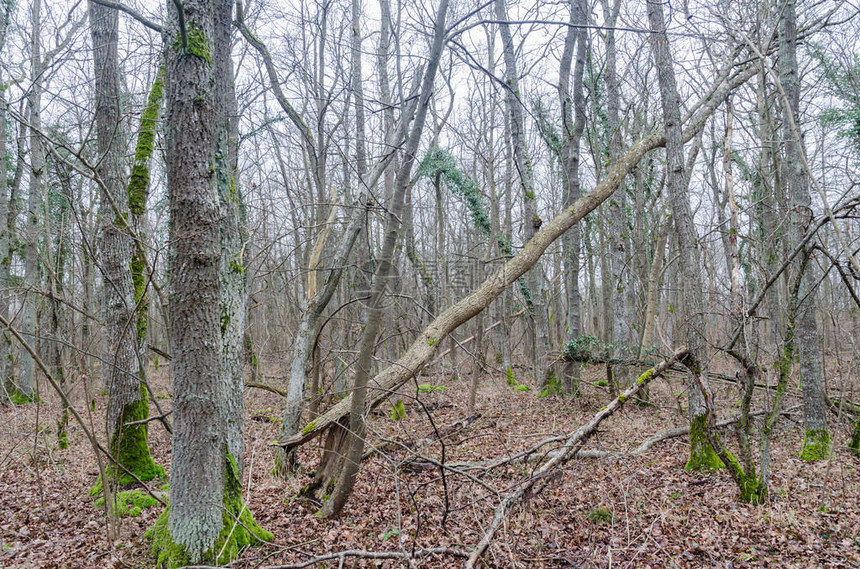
{"x": 816, "y": 442}
{"x": 353, "y": 441}
{"x": 207, "y": 520}
{"x": 424, "y": 347}
{"x": 702, "y": 454}
{"x": 128, "y": 399}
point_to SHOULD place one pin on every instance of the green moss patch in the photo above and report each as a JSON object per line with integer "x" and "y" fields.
{"x": 129, "y": 444}
{"x": 130, "y": 503}
{"x": 816, "y": 445}
{"x": 398, "y": 411}
{"x": 18, "y": 397}
{"x": 551, "y": 385}
{"x": 702, "y": 455}
{"x": 239, "y": 530}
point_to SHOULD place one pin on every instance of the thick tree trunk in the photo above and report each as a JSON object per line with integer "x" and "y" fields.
{"x": 207, "y": 520}
{"x": 702, "y": 455}
{"x": 128, "y": 400}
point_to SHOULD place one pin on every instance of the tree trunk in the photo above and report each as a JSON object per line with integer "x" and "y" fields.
{"x": 702, "y": 455}
{"x": 816, "y": 442}
{"x": 286, "y": 461}
{"x": 207, "y": 519}
{"x": 35, "y": 207}
{"x": 353, "y": 442}
{"x": 128, "y": 399}
{"x": 617, "y": 278}
{"x": 5, "y": 230}
{"x": 543, "y": 370}
{"x": 573, "y": 121}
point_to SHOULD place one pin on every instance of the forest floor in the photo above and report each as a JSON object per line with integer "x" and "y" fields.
{"x": 624, "y": 510}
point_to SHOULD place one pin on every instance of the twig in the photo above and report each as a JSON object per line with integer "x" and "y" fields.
{"x": 568, "y": 451}
{"x": 148, "y": 419}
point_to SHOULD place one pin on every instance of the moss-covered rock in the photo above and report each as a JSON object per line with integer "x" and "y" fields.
{"x": 239, "y": 530}
{"x": 702, "y": 455}
{"x": 816, "y": 445}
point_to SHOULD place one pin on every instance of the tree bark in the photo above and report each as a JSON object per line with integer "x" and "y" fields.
{"x": 35, "y": 206}
{"x": 702, "y": 455}
{"x": 573, "y": 124}
{"x": 128, "y": 399}
{"x": 816, "y": 442}
{"x": 205, "y": 489}
{"x": 543, "y": 369}
{"x": 5, "y": 229}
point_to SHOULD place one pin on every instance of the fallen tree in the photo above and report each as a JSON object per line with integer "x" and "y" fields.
{"x": 571, "y": 447}
{"x": 422, "y": 350}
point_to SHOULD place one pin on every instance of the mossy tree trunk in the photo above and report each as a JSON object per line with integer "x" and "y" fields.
{"x": 128, "y": 400}
{"x": 207, "y": 520}
{"x": 702, "y": 455}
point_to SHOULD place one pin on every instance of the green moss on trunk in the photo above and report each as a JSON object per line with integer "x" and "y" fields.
{"x": 238, "y": 530}
{"x": 702, "y": 455}
{"x": 551, "y": 385}
{"x": 816, "y": 445}
{"x": 18, "y": 397}
{"x": 129, "y": 445}
{"x": 138, "y": 185}
{"x": 854, "y": 445}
